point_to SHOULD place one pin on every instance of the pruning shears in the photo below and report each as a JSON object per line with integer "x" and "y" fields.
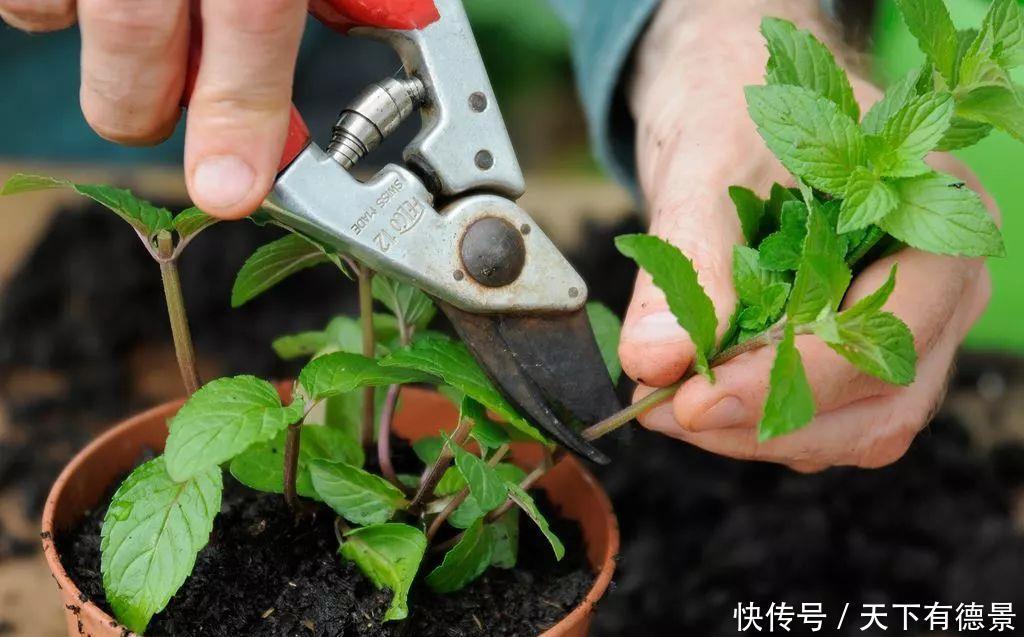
{"x": 446, "y": 220}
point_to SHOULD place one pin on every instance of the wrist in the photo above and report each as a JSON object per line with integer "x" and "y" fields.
{"x": 695, "y": 44}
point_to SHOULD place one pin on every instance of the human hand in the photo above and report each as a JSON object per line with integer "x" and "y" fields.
{"x": 134, "y": 58}
{"x": 694, "y": 140}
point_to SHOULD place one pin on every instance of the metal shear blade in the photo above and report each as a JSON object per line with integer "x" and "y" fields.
{"x": 548, "y": 366}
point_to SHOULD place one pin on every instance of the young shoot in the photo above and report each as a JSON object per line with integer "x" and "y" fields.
{"x": 163, "y": 234}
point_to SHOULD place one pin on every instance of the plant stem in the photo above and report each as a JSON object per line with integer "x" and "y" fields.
{"x": 292, "y": 445}
{"x": 369, "y": 349}
{"x": 184, "y": 350}
{"x": 436, "y": 470}
{"x": 457, "y": 501}
{"x": 527, "y": 483}
{"x": 387, "y": 414}
{"x": 658, "y": 396}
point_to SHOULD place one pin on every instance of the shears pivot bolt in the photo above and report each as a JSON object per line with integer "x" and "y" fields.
{"x": 493, "y": 252}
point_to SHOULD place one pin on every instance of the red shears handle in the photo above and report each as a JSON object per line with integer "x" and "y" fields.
{"x": 340, "y": 15}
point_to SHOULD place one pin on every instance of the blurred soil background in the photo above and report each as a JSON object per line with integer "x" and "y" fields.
{"x": 84, "y": 343}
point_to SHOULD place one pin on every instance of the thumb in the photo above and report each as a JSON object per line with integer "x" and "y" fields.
{"x": 655, "y": 350}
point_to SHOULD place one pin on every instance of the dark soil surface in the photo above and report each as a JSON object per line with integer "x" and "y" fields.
{"x": 702, "y": 533}
{"x": 266, "y": 576}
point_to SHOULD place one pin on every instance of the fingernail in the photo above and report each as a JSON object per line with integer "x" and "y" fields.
{"x": 726, "y": 413}
{"x": 222, "y": 181}
{"x": 655, "y": 328}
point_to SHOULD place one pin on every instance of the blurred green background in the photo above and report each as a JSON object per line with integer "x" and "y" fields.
{"x": 998, "y": 161}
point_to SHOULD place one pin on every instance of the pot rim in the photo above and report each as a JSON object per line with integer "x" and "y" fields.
{"x": 60, "y": 575}
{"x": 604, "y": 572}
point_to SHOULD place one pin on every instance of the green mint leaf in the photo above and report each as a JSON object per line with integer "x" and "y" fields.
{"x": 752, "y": 320}
{"x": 781, "y": 250}
{"x": 452, "y": 482}
{"x": 428, "y": 449}
{"x": 1005, "y": 22}
{"x": 147, "y": 219}
{"x": 390, "y": 555}
{"x": 485, "y": 431}
{"x": 912, "y": 132}
{"x": 998, "y": 46}
{"x": 529, "y": 507}
{"x": 823, "y": 276}
{"x": 936, "y": 34}
{"x": 675, "y": 275}
{"x": 998, "y": 106}
{"x": 485, "y": 484}
{"x": 777, "y": 200}
{"x": 790, "y": 403}
{"x": 356, "y": 495}
{"x": 273, "y": 263}
{"x": 607, "y": 329}
{"x": 963, "y": 133}
{"x": 452, "y": 362}
{"x": 874, "y": 302}
{"x": 301, "y": 345}
{"x": 505, "y": 531}
{"x": 800, "y": 59}
{"x": 896, "y": 97}
{"x": 755, "y": 285}
{"x": 868, "y": 200}
{"x": 404, "y": 300}
{"x": 342, "y": 372}
{"x": 261, "y": 466}
{"x": 465, "y": 562}
{"x": 20, "y": 183}
{"x": 343, "y": 334}
{"x": 751, "y": 211}
{"x": 222, "y": 420}
{"x": 190, "y": 222}
{"x": 808, "y": 133}
{"x": 877, "y": 343}
{"x": 467, "y": 514}
{"x": 937, "y": 213}
{"x": 151, "y": 534}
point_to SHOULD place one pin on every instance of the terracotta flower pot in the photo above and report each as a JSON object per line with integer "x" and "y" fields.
{"x": 86, "y": 479}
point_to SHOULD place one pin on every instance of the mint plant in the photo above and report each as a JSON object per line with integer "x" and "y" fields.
{"x": 163, "y": 513}
{"x": 465, "y": 501}
{"x": 864, "y": 190}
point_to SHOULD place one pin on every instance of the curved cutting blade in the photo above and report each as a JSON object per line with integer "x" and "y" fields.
{"x": 548, "y": 366}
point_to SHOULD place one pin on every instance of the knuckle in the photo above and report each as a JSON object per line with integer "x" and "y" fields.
{"x": 807, "y": 467}
{"x": 267, "y": 17}
{"x": 123, "y": 126}
{"x": 891, "y": 443}
{"x": 138, "y": 24}
{"x": 238, "y": 107}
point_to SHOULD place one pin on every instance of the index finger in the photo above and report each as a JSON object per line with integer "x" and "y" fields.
{"x": 239, "y": 111}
